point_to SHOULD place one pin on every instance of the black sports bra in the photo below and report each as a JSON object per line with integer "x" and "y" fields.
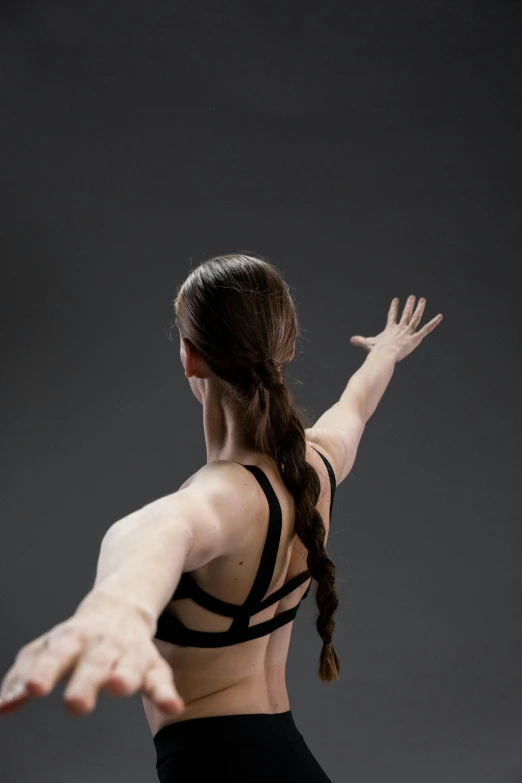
{"x": 171, "y": 629}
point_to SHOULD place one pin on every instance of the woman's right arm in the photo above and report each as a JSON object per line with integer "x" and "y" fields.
{"x": 339, "y": 430}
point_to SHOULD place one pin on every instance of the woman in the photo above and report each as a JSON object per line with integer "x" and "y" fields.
{"x": 195, "y": 594}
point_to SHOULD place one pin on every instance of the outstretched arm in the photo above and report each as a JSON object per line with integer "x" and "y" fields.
{"x": 107, "y": 643}
{"x": 339, "y": 430}
{"x": 143, "y": 556}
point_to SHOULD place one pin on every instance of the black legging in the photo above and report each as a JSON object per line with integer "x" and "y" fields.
{"x": 251, "y": 748}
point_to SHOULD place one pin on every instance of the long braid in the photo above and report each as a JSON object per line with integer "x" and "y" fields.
{"x": 277, "y": 426}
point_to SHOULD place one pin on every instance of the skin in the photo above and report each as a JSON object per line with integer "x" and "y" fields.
{"x": 107, "y": 643}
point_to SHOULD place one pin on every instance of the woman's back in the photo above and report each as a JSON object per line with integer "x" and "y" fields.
{"x": 248, "y": 677}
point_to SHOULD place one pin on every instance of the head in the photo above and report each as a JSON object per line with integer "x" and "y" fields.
{"x": 236, "y": 316}
{"x": 234, "y": 312}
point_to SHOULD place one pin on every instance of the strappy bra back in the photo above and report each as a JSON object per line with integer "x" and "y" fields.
{"x": 171, "y": 629}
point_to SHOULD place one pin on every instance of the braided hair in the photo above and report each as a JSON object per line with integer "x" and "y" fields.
{"x": 237, "y": 312}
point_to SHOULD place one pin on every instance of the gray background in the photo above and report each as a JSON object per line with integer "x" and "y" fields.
{"x": 369, "y": 150}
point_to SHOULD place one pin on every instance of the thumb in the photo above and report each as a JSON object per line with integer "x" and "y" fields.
{"x": 358, "y": 340}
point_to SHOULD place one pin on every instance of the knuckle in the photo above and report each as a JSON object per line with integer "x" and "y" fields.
{"x": 97, "y": 641}
{"x": 66, "y": 646}
{"x": 6, "y": 682}
{"x": 162, "y": 665}
{"x": 48, "y": 658}
{"x": 155, "y": 671}
{"x": 64, "y": 632}
{"x": 25, "y": 654}
{"x": 103, "y": 654}
{"x": 130, "y": 667}
{"x": 158, "y": 673}
{"x": 127, "y": 670}
{"x": 90, "y": 663}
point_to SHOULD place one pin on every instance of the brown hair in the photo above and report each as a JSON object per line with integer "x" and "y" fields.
{"x": 237, "y": 312}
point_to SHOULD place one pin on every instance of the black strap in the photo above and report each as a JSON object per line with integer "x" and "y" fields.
{"x": 285, "y": 589}
{"x": 331, "y": 476}
{"x": 267, "y": 564}
{"x": 170, "y": 629}
{"x": 189, "y": 588}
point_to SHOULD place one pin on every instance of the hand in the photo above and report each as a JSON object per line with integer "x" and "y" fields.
{"x": 107, "y": 643}
{"x": 401, "y": 336}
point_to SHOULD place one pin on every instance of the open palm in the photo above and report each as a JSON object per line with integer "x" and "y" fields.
{"x": 105, "y": 645}
{"x": 401, "y": 335}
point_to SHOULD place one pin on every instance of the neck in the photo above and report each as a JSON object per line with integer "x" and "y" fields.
{"x": 225, "y": 436}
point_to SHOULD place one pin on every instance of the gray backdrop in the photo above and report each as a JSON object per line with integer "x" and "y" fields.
{"x": 369, "y": 150}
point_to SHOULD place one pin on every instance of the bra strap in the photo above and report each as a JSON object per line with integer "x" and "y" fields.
{"x": 331, "y": 476}
{"x": 266, "y": 568}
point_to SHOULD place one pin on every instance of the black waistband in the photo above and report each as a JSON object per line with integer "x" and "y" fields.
{"x": 226, "y": 729}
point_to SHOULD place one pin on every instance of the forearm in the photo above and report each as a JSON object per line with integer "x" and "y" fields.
{"x": 141, "y": 560}
{"x": 367, "y": 386}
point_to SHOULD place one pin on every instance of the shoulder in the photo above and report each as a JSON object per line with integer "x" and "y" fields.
{"x": 224, "y": 499}
{"x": 321, "y": 440}
{"x": 221, "y": 478}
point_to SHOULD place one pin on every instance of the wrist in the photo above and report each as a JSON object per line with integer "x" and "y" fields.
{"x": 385, "y": 349}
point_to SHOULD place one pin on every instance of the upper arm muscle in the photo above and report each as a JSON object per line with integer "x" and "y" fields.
{"x": 338, "y": 431}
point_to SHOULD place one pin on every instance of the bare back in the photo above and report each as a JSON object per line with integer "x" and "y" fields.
{"x": 247, "y": 677}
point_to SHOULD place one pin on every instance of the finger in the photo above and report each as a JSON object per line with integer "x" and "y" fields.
{"x": 13, "y": 684}
{"x": 359, "y": 341}
{"x": 93, "y": 668}
{"x": 430, "y": 326}
{"x": 408, "y": 309}
{"x": 14, "y": 703}
{"x": 417, "y": 315}
{"x": 13, "y": 697}
{"x": 52, "y": 663}
{"x": 126, "y": 675}
{"x": 159, "y": 687}
{"x": 392, "y": 312}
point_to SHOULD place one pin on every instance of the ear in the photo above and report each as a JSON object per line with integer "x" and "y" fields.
{"x": 193, "y": 363}
{"x": 186, "y": 353}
